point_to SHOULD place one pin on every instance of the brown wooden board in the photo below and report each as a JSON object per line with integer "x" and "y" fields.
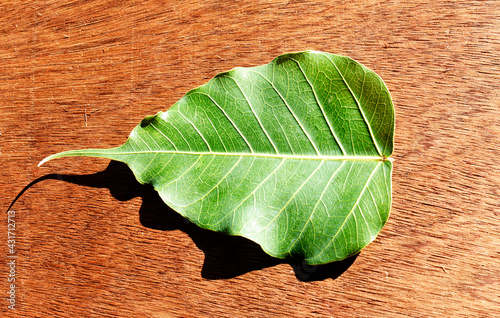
{"x": 91, "y": 242}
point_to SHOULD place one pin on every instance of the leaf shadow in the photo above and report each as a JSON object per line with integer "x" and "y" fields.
{"x": 226, "y": 256}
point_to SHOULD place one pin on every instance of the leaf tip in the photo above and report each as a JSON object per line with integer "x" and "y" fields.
{"x": 45, "y": 160}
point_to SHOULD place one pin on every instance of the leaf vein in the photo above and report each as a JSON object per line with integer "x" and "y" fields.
{"x": 165, "y": 136}
{"x": 229, "y": 118}
{"x": 340, "y": 230}
{"x": 321, "y": 107}
{"x": 214, "y": 187}
{"x": 255, "y": 115}
{"x": 311, "y": 216}
{"x": 358, "y": 104}
{"x": 196, "y": 128}
{"x": 291, "y": 112}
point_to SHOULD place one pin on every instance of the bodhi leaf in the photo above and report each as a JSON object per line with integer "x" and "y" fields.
{"x": 292, "y": 155}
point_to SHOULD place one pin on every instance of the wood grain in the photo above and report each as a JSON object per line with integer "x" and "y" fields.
{"x": 91, "y": 242}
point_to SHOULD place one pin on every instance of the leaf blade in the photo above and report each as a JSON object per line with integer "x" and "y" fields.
{"x": 292, "y": 155}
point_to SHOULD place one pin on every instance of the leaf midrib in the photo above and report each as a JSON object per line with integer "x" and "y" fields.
{"x": 112, "y": 154}
{"x": 242, "y": 154}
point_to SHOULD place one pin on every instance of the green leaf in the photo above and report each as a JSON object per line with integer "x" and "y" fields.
{"x": 292, "y": 155}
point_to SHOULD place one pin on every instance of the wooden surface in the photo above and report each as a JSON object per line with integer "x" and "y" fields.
{"x": 91, "y": 242}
